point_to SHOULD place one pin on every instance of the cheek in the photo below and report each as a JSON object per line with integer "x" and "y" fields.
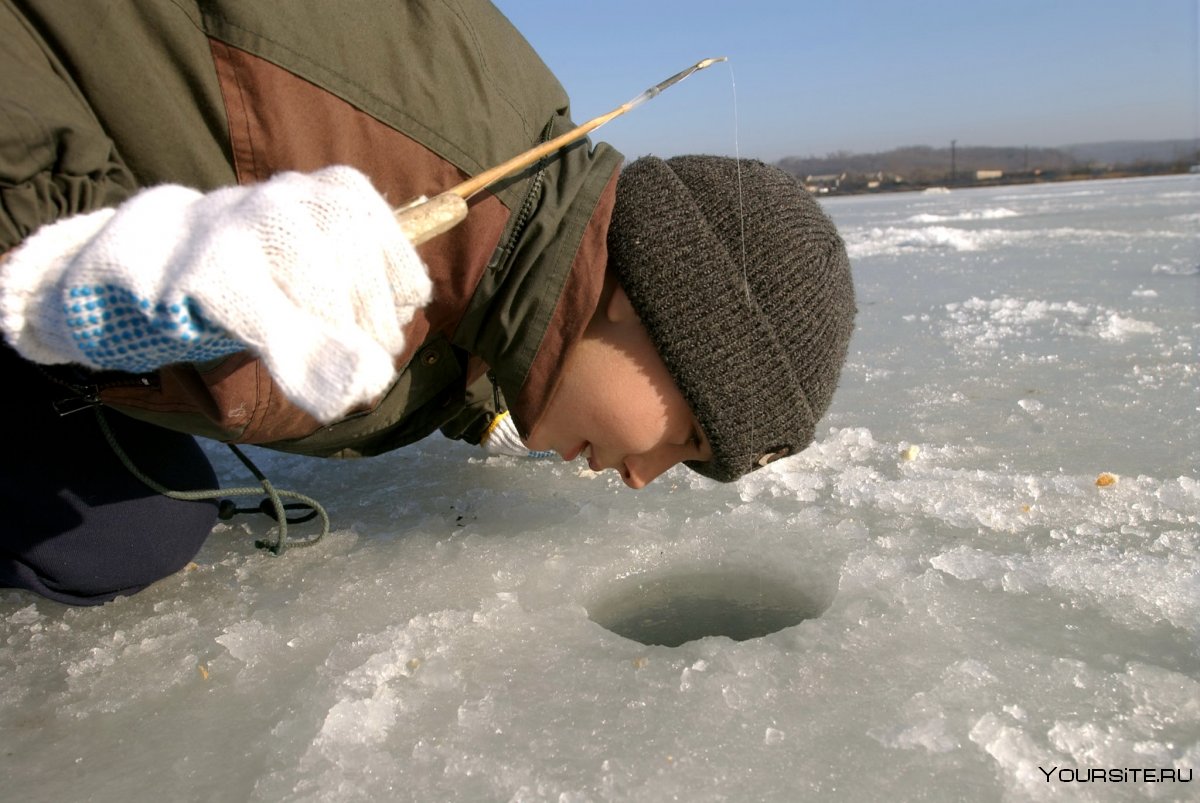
{"x": 637, "y": 414}
{"x": 590, "y": 403}
{"x": 615, "y": 393}
{"x": 634, "y": 427}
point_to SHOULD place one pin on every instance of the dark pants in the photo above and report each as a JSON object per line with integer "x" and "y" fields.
{"x": 75, "y": 525}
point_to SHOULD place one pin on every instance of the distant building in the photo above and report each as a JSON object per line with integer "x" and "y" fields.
{"x": 823, "y": 184}
{"x": 986, "y": 175}
{"x": 877, "y": 180}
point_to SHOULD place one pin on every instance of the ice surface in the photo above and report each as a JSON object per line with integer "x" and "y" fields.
{"x": 978, "y": 606}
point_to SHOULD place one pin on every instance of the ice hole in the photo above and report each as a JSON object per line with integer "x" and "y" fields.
{"x": 682, "y": 606}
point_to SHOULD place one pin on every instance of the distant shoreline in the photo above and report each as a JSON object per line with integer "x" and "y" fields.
{"x": 919, "y": 167}
{"x": 999, "y": 182}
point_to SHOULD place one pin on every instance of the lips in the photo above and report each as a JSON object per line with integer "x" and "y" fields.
{"x": 593, "y": 463}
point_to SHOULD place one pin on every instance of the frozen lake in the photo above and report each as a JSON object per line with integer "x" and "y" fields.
{"x": 994, "y": 547}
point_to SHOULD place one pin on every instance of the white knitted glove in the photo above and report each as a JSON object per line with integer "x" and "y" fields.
{"x": 502, "y": 438}
{"x": 310, "y": 271}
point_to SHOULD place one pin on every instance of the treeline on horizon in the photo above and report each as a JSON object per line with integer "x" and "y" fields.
{"x": 924, "y": 163}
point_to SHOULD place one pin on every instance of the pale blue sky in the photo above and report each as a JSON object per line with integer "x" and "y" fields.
{"x": 815, "y": 76}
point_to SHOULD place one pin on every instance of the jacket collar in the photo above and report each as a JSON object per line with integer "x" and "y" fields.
{"x": 527, "y": 314}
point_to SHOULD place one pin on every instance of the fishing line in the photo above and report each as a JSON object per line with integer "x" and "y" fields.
{"x": 742, "y": 234}
{"x": 737, "y": 161}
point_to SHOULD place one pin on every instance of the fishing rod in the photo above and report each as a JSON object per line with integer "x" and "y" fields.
{"x": 425, "y": 218}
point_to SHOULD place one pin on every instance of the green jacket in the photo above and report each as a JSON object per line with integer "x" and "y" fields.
{"x": 99, "y": 99}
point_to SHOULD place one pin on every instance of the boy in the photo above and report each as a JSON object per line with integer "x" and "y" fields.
{"x": 693, "y": 310}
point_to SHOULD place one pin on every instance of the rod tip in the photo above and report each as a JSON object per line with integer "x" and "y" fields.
{"x": 710, "y": 62}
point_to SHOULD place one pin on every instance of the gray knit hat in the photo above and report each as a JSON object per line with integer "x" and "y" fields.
{"x": 744, "y": 286}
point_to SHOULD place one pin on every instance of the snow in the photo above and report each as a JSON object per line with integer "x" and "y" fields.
{"x": 962, "y": 605}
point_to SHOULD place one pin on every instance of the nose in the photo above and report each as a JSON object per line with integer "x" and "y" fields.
{"x": 640, "y": 470}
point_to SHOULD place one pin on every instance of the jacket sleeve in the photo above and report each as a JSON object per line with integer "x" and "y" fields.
{"x": 55, "y": 158}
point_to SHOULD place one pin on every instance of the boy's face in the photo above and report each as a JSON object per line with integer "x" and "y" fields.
{"x": 616, "y": 402}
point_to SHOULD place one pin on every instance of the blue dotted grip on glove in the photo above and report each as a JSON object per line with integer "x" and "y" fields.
{"x": 114, "y": 328}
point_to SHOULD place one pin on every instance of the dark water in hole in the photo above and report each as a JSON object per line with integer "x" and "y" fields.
{"x": 677, "y": 608}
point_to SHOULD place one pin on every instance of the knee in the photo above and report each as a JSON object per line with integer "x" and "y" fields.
{"x": 120, "y": 549}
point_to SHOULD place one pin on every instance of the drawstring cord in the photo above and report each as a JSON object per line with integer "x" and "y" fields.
{"x": 272, "y": 506}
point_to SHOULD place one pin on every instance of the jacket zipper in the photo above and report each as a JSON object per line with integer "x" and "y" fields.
{"x": 87, "y": 396}
{"x": 525, "y": 213}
